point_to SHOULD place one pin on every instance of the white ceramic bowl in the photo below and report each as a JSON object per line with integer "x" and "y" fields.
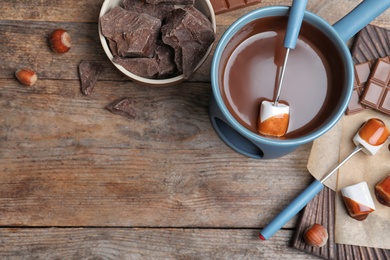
{"x": 202, "y": 5}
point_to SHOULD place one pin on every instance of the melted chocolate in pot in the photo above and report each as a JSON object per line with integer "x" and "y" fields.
{"x": 313, "y": 80}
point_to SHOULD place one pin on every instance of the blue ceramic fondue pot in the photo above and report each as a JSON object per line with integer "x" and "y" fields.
{"x": 251, "y": 144}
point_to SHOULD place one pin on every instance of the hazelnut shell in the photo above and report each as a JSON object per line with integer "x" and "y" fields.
{"x": 60, "y": 41}
{"x": 316, "y": 235}
{"x": 26, "y": 76}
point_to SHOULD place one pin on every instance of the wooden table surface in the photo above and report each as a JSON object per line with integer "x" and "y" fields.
{"x": 78, "y": 182}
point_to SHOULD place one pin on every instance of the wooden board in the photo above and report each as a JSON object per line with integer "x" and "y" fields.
{"x": 321, "y": 210}
{"x": 78, "y": 182}
{"x": 143, "y": 243}
{"x": 370, "y": 44}
{"x": 67, "y": 161}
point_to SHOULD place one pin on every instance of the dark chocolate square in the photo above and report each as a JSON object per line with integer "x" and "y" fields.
{"x": 385, "y": 104}
{"x": 376, "y": 93}
{"x": 361, "y": 76}
{"x": 354, "y": 105}
{"x": 362, "y": 72}
{"x": 372, "y": 94}
{"x": 382, "y": 72}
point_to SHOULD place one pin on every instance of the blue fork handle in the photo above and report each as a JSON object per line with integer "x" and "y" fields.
{"x": 294, "y": 23}
{"x": 291, "y": 210}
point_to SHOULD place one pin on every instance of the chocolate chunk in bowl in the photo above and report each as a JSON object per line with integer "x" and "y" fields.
{"x": 166, "y": 75}
{"x": 189, "y": 33}
{"x": 135, "y": 34}
{"x": 144, "y": 67}
{"x": 158, "y": 10}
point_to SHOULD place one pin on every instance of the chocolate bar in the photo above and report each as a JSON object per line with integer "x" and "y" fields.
{"x": 377, "y": 90}
{"x": 223, "y": 6}
{"x": 370, "y": 44}
{"x": 362, "y": 73}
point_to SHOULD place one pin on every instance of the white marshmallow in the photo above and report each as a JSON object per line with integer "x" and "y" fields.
{"x": 268, "y": 110}
{"x": 367, "y": 148}
{"x": 359, "y": 193}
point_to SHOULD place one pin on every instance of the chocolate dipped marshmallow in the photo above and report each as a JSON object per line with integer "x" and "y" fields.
{"x": 273, "y": 120}
{"x": 371, "y": 136}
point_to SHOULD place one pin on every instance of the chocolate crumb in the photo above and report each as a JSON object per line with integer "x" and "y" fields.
{"x": 89, "y": 73}
{"x": 123, "y": 107}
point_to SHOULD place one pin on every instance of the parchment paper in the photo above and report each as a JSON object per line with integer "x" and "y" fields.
{"x": 324, "y": 155}
{"x": 375, "y": 230}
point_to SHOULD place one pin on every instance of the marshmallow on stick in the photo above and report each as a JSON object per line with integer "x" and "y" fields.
{"x": 273, "y": 120}
{"x": 371, "y": 136}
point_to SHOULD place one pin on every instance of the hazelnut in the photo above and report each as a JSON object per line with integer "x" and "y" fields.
{"x": 60, "y": 41}
{"x": 26, "y": 76}
{"x": 316, "y": 235}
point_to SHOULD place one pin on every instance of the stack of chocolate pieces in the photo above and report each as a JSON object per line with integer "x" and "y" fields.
{"x": 156, "y": 38}
{"x": 376, "y": 94}
{"x": 372, "y": 74}
{"x": 371, "y": 86}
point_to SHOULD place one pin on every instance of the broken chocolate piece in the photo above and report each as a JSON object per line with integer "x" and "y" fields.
{"x": 362, "y": 73}
{"x": 135, "y": 34}
{"x": 89, "y": 73}
{"x": 377, "y": 90}
{"x": 165, "y": 59}
{"x": 176, "y": 2}
{"x": 123, "y": 107}
{"x": 190, "y": 34}
{"x": 159, "y": 10}
{"x": 113, "y": 47}
{"x": 143, "y": 67}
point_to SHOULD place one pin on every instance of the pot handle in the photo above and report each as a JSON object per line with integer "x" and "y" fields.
{"x": 359, "y": 17}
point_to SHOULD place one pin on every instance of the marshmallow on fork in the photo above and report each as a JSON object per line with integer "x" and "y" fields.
{"x": 371, "y": 136}
{"x": 273, "y": 120}
{"x": 357, "y": 198}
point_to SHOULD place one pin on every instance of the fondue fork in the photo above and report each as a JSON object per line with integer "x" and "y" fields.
{"x": 300, "y": 202}
{"x": 279, "y": 113}
{"x": 294, "y": 23}
{"x": 369, "y": 139}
